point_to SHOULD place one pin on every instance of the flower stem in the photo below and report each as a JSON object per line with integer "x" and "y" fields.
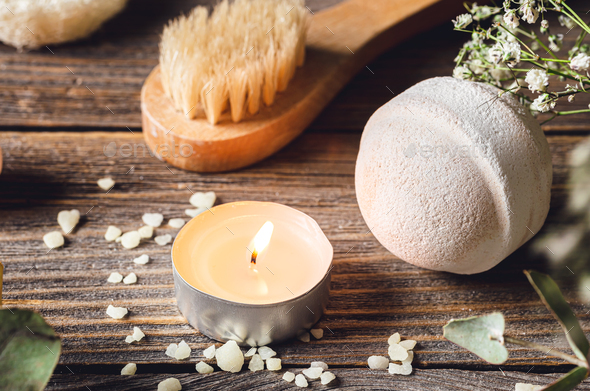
{"x": 547, "y": 351}
{"x": 573, "y": 112}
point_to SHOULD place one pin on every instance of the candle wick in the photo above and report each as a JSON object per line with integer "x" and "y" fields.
{"x": 253, "y": 259}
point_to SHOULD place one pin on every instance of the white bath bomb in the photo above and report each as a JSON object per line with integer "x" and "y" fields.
{"x": 35, "y": 23}
{"x": 451, "y": 177}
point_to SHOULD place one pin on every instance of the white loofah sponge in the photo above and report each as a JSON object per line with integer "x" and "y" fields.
{"x": 32, "y": 24}
{"x": 450, "y": 177}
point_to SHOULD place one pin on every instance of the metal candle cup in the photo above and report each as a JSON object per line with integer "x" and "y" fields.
{"x": 220, "y": 296}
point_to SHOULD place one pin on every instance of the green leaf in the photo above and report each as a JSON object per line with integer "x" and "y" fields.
{"x": 482, "y": 335}
{"x": 29, "y": 350}
{"x": 551, "y": 296}
{"x": 569, "y": 381}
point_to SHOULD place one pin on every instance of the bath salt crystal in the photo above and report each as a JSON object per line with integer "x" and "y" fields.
{"x": 129, "y": 369}
{"x": 129, "y": 339}
{"x": 203, "y": 367}
{"x": 118, "y": 240}
{"x": 137, "y": 334}
{"x": 170, "y": 384}
{"x": 53, "y": 239}
{"x": 176, "y": 223}
{"x": 229, "y": 357}
{"x": 171, "y": 350}
{"x": 327, "y": 377}
{"x": 409, "y": 359}
{"x": 313, "y": 373}
{"x": 273, "y": 364}
{"x": 397, "y": 353}
{"x": 163, "y": 240}
{"x": 300, "y": 381}
{"x": 209, "y": 352}
{"x": 266, "y": 352}
{"x": 194, "y": 212}
{"x": 408, "y": 344}
{"x": 116, "y": 312}
{"x": 130, "y": 239}
{"x": 68, "y": 219}
{"x": 319, "y": 364}
{"x": 304, "y": 337}
{"x": 112, "y": 233}
{"x": 142, "y": 259}
{"x": 115, "y": 277}
{"x": 106, "y": 183}
{"x": 378, "y": 362}
{"x": 203, "y": 200}
{"x": 250, "y": 352}
{"x": 130, "y": 279}
{"x": 317, "y": 333}
{"x": 394, "y": 339}
{"x": 256, "y": 363}
{"x": 152, "y": 219}
{"x": 396, "y": 369}
{"x": 289, "y": 377}
{"x": 526, "y": 387}
{"x": 146, "y": 232}
{"x": 183, "y": 351}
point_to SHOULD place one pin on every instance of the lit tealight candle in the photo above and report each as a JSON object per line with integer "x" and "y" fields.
{"x": 255, "y": 272}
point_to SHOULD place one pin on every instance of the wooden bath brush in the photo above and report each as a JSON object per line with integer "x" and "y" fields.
{"x": 226, "y": 110}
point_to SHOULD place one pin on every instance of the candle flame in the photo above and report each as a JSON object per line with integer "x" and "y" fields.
{"x": 261, "y": 240}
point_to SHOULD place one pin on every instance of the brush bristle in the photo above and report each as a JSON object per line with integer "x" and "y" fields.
{"x": 238, "y": 57}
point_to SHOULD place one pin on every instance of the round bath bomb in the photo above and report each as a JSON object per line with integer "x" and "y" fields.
{"x": 452, "y": 177}
{"x": 35, "y": 23}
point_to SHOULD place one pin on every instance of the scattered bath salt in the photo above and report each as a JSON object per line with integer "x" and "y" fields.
{"x": 203, "y": 367}
{"x": 53, "y": 239}
{"x": 129, "y": 339}
{"x": 146, "y": 232}
{"x": 319, "y": 364}
{"x": 68, "y": 219}
{"x": 163, "y": 240}
{"x": 194, "y": 212}
{"x": 176, "y": 223}
{"x": 153, "y": 219}
{"x": 183, "y": 351}
{"x": 327, "y": 377}
{"x": 396, "y": 369}
{"x": 300, "y": 381}
{"x": 397, "y": 353}
{"x": 304, "y": 337}
{"x": 273, "y": 364}
{"x": 313, "y": 373}
{"x": 394, "y": 339}
{"x": 137, "y": 334}
{"x": 409, "y": 359}
{"x": 229, "y": 357}
{"x": 170, "y": 384}
{"x": 526, "y": 387}
{"x": 130, "y": 239}
{"x": 115, "y": 277}
{"x": 408, "y": 344}
{"x": 266, "y": 352}
{"x": 209, "y": 352}
{"x": 118, "y": 240}
{"x": 378, "y": 362}
{"x": 250, "y": 352}
{"x": 116, "y": 312}
{"x": 142, "y": 259}
{"x": 289, "y": 377}
{"x": 106, "y": 183}
{"x": 130, "y": 279}
{"x": 203, "y": 200}
{"x": 129, "y": 369}
{"x": 171, "y": 350}
{"x": 256, "y": 363}
{"x": 317, "y": 333}
{"x": 112, "y": 233}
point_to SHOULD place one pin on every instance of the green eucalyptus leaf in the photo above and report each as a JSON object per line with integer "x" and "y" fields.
{"x": 29, "y": 350}
{"x": 482, "y": 335}
{"x": 569, "y": 381}
{"x": 555, "y": 302}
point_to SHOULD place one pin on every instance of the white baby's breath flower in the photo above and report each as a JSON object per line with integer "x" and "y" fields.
{"x": 545, "y": 23}
{"x": 566, "y": 21}
{"x": 495, "y": 53}
{"x": 511, "y": 19}
{"x": 511, "y": 53}
{"x": 476, "y": 66}
{"x": 581, "y": 62}
{"x": 543, "y": 103}
{"x": 499, "y": 74}
{"x": 461, "y": 72}
{"x": 555, "y": 42}
{"x": 463, "y": 21}
{"x": 529, "y": 13}
{"x": 537, "y": 80}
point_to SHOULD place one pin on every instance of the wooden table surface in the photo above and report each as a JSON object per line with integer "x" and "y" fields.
{"x": 61, "y": 106}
